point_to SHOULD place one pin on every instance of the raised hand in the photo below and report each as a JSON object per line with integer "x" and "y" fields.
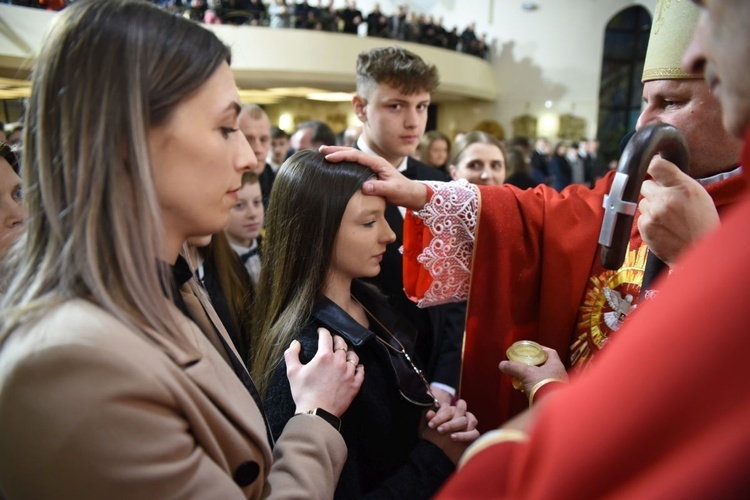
{"x": 391, "y": 185}
{"x": 675, "y": 211}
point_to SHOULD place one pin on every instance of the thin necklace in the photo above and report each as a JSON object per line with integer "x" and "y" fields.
{"x": 400, "y": 350}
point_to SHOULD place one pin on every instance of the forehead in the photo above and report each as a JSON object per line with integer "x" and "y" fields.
{"x": 8, "y": 178}
{"x": 260, "y": 124}
{"x": 480, "y": 150}
{"x": 249, "y": 190}
{"x": 216, "y": 94}
{"x": 385, "y": 92}
{"x": 686, "y": 88}
{"x": 361, "y": 202}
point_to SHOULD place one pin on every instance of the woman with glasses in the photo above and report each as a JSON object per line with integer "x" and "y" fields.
{"x": 323, "y": 234}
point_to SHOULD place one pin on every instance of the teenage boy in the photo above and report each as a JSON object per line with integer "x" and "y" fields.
{"x": 245, "y": 223}
{"x": 393, "y": 94}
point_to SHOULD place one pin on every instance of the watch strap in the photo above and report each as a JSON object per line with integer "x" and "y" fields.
{"x": 327, "y": 416}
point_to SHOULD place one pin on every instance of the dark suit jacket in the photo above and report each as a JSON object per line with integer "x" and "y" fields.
{"x": 522, "y": 180}
{"x": 240, "y": 339}
{"x": 589, "y": 168}
{"x": 540, "y": 167}
{"x": 440, "y": 329}
{"x": 266, "y": 183}
{"x": 559, "y": 169}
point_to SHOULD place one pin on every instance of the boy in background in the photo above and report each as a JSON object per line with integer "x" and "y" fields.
{"x": 245, "y": 224}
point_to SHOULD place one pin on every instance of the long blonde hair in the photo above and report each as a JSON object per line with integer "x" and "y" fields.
{"x": 108, "y": 71}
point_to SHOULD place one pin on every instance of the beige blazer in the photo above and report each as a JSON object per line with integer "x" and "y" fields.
{"x": 90, "y": 408}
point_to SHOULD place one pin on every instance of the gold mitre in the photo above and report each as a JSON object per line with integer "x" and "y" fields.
{"x": 671, "y": 33}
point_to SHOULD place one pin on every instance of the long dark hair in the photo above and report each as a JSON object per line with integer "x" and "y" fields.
{"x": 308, "y": 201}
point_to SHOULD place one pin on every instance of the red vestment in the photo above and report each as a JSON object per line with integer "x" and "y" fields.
{"x": 537, "y": 276}
{"x": 663, "y": 413}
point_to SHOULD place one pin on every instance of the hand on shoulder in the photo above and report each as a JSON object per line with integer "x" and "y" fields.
{"x": 330, "y": 380}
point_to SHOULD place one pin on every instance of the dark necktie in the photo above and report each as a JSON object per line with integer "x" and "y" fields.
{"x": 247, "y": 255}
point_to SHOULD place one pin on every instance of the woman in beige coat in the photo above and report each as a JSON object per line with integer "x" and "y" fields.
{"x": 116, "y": 378}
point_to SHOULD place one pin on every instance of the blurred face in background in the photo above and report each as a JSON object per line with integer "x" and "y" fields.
{"x": 11, "y": 210}
{"x": 257, "y": 131}
{"x": 437, "y": 153}
{"x": 246, "y": 216}
{"x": 480, "y": 163}
{"x": 302, "y": 139}
{"x": 279, "y": 148}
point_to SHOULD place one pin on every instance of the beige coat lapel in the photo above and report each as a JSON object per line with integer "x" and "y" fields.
{"x": 208, "y": 367}
{"x": 204, "y": 312}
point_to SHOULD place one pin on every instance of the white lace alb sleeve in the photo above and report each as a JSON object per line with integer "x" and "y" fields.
{"x": 451, "y": 216}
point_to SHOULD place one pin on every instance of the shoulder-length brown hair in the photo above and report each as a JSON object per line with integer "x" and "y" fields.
{"x": 426, "y": 141}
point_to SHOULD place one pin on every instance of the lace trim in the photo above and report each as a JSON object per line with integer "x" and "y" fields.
{"x": 451, "y": 216}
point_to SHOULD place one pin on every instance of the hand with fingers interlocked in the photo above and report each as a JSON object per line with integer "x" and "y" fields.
{"x": 451, "y": 428}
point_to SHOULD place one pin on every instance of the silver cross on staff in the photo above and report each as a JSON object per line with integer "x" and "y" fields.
{"x": 614, "y": 205}
{"x": 621, "y": 202}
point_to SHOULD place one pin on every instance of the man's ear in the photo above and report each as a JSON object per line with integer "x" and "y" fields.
{"x": 359, "y": 103}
